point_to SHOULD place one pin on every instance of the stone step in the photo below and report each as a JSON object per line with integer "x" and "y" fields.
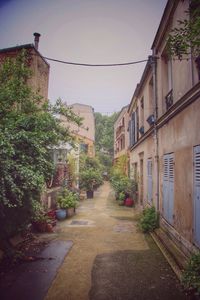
{"x": 175, "y": 257}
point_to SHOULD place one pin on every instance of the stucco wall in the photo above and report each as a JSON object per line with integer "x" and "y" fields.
{"x": 144, "y": 151}
{"x": 179, "y": 136}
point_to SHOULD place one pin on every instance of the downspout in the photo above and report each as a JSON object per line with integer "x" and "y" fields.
{"x": 153, "y": 60}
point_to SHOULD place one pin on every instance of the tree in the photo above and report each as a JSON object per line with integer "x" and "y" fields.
{"x": 104, "y": 139}
{"x": 185, "y": 38}
{"x": 28, "y": 131}
{"x": 104, "y": 132}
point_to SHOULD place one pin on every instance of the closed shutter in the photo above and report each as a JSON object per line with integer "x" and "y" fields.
{"x": 168, "y": 187}
{"x": 150, "y": 180}
{"x": 197, "y": 195}
{"x": 133, "y": 128}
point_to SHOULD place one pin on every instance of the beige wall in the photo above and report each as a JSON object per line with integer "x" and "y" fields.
{"x": 143, "y": 151}
{"x": 177, "y": 131}
{"x": 179, "y": 136}
{"x": 123, "y": 133}
{"x": 87, "y": 129}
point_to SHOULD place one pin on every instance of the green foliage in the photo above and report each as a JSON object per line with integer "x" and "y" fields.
{"x": 120, "y": 182}
{"x": 149, "y": 219}
{"x": 67, "y": 199}
{"x": 38, "y": 212}
{"x": 121, "y": 196}
{"x": 104, "y": 132}
{"x": 28, "y": 131}
{"x": 185, "y": 38}
{"x": 90, "y": 175}
{"x": 90, "y": 179}
{"x": 191, "y": 275}
{"x": 104, "y": 139}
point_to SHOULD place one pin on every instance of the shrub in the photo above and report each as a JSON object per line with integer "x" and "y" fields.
{"x": 149, "y": 219}
{"x": 67, "y": 199}
{"x": 191, "y": 275}
{"x": 90, "y": 179}
{"x": 120, "y": 183}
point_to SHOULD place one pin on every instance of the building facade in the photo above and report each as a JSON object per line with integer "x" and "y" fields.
{"x": 164, "y": 138}
{"x": 85, "y": 134}
{"x": 39, "y": 80}
{"x": 121, "y": 137}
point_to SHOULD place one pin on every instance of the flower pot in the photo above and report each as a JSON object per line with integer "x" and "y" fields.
{"x": 61, "y": 214}
{"x": 90, "y": 194}
{"x": 70, "y": 211}
{"x": 39, "y": 226}
{"x": 129, "y": 202}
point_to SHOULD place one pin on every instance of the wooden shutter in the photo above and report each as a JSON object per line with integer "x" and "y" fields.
{"x": 197, "y": 194}
{"x": 168, "y": 187}
{"x": 150, "y": 181}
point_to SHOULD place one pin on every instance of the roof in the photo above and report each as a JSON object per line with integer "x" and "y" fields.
{"x": 139, "y": 86}
{"x": 125, "y": 108}
{"x": 20, "y": 47}
{"x": 169, "y": 8}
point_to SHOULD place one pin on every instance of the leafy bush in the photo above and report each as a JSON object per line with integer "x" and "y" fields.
{"x": 38, "y": 212}
{"x": 191, "y": 275}
{"x": 120, "y": 183}
{"x": 67, "y": 199}
{"x": 90, "y": 178}
{"x": 28, "y": 132}
{"x": 149, "y": 219}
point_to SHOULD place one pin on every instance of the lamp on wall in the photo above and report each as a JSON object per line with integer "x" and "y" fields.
{"x": 151, "y": 120}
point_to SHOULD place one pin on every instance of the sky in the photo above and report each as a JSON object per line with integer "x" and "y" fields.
{"x": 86, "y": 31}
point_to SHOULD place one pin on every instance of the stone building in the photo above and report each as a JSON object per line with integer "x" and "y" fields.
{"x": 164, "y": 137}
{"x": 85, "y": 134}
{"x": 121, "y": 138}
{"x": 39, "y": 80}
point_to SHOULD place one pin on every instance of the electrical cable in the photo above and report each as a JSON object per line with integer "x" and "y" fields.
{"x": 96, "y": 65}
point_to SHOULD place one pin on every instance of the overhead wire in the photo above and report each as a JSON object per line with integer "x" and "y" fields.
{"x": 96, "y": 65}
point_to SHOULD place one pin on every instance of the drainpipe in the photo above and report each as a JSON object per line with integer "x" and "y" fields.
{"x": 153, "y": 61}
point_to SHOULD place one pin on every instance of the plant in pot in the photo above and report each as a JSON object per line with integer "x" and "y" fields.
{"x": 67, "y": 202}
{"x": 39, "y": 220}
{"x": 89, "y": 179}
{"x": 121, "y": 198}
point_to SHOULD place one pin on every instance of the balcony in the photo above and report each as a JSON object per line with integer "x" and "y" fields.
{"x": 119, "y": 131}
{"x": 169, "y": 100}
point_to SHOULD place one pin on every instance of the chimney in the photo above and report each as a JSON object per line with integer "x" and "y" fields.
{"x": 36, "y": 39}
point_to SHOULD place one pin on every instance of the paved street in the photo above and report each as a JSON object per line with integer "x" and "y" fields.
{"x": 110, "y": 258}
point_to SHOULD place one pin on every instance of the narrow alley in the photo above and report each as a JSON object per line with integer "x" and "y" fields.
{"x": 110, "y": 258}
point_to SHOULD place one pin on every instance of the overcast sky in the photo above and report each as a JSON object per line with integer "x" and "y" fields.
{"x": 86, "y": 31}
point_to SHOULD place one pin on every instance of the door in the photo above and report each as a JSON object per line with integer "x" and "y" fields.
{"x": 197, "y": 195}
{"x": 149, "y": 181}
{"x": 168, "y": 187}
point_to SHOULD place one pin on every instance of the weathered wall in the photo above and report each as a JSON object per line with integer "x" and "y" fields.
{"x": 144, "y": 151}
{"x": 40, "y": 68}
{"x": 179, "y": 136}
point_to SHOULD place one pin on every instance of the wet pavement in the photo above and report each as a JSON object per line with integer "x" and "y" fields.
{"x": 31, "y": 280}
{"x": 98, "y": 254}
{"x": 110, "y": 259}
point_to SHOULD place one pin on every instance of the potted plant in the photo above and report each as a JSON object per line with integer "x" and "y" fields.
{"x": 121, "y": 198}
{"x": 67, "y": 201}
{"x": 39, "y": 220}
{"x": 89, "y": 179}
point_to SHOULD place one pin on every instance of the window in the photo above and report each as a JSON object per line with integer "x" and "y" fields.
{"x": 167, "y": 80}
